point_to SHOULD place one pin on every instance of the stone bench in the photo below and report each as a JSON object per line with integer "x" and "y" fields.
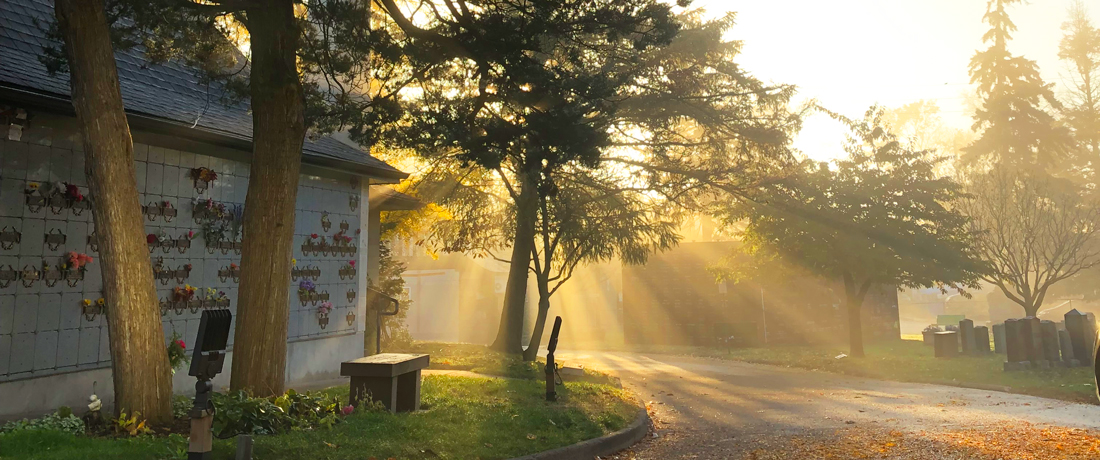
{"x": 392, "y": 378}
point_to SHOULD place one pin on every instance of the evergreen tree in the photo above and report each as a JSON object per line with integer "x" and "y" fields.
{"x": 1015, "y": 128}
{"x": 1080, "y": 48}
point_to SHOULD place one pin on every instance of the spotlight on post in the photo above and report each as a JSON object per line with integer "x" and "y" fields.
{"x": 206, "y": 362}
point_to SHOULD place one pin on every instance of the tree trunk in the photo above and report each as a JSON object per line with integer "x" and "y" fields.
{"x": 510, "y": 333}
{"x": 853, "y": 299}
{"x": 139, "y": 358}
{"x": 278, "y": 105}
{"x": 532, "y": 350}
{"x": 1031, "y": 310}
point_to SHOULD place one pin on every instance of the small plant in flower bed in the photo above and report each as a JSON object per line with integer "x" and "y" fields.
{"x": 177, "y": 353}
{"x": 238, "y": 413}
{"x": 63, "y": 420}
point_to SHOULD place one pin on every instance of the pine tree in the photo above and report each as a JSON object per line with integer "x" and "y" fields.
{"x": 1015, "y": 127}
{"x": 1080, "y": 48}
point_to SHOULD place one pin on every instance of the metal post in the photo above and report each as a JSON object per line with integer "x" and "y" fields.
{"x": 551, "y": 366}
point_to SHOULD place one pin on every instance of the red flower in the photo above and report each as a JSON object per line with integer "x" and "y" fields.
{"x": 181, "y": 344}
{"x": 232, "y": 265}
{"x": 150, "y": 238}
{"x": 351, "y": 262}
{"x": 313, "y": 235}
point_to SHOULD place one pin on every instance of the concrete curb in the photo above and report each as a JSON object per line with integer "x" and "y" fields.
{"x": 604, "y": 445}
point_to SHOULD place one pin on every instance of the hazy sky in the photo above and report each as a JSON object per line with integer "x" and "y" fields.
{"x": 849, "y": 54}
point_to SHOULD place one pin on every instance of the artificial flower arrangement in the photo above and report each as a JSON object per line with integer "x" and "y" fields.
{"x": 183, "y": 294}
{"x": 306, "y": 290}
{"x": 89, "y": 312}
{"x": 203, "y": 177}
{"x": 216, "y": 299}
{"x": 71, "y": 268}
{"x": 322, "y": 313}
{"x": 58, "y": 195}
{"x": 347, "y": 271}
{"x": 177, "y": 352}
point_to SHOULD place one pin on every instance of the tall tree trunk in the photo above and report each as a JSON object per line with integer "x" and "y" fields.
{"x": 510, "y": 333}
{"x": 139, "y": 358}
{"x": 278, "y": 105}
{"x": 532, "y": 350}
{"x": 853, "y": 299}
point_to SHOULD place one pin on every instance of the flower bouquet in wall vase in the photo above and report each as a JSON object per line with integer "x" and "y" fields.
{"x": 202, "y": 178}
{"x": 306, "y": 290}
{"x": 322, "y": 313}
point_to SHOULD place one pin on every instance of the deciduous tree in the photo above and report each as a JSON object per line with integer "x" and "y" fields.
{"x": 881, "y": 215}
{"x": 139, "y": 360}
{"x": 1033, "y": 230}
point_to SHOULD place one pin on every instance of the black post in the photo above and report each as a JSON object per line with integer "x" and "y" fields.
{"x": 551, "y": 393}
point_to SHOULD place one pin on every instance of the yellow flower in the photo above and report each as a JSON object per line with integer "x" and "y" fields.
{"x": 33, "y": 186}
{"x": 87, "y": 302}
{"x": 294, "y": 262}
{"x": 100, "y": 301}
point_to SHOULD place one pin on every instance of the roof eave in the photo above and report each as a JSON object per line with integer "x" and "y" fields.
{"x": 144, "y": 122}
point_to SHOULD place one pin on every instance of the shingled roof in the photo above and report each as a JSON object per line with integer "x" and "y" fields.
{"x": 167, "y": 97}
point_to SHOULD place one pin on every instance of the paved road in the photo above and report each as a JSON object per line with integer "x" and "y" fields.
{"x": 707, "y": 408}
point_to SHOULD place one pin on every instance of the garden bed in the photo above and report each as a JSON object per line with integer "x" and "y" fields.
{"x": 461, "y": 418}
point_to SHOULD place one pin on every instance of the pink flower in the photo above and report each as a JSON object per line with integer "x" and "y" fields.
{"x": 348, "y": 409}
{"x": 351, "y": 262}
{"x": 181, "y": 344}
{"x": 190, "y": 234}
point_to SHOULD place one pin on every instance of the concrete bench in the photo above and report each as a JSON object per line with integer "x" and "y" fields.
{"x": 393, "y": 378}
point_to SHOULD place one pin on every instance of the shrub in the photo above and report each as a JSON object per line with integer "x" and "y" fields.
{"x": 239, "y": 413}
{"x": 63, "y": 420}
{"x": 181, "y": 406}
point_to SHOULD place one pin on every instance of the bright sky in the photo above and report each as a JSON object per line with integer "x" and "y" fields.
{"x": 849, "y": 54}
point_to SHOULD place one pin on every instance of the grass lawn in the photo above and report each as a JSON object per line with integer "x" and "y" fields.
{"x": 912, "y": 361}
{"x": 462, "y": 418}
{"x": 482, "y": 360}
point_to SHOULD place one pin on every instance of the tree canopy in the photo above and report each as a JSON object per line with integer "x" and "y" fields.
{"x": 881, "y": 215}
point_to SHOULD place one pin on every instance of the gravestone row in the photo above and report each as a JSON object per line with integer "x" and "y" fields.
{"x": 1030, "y": 343}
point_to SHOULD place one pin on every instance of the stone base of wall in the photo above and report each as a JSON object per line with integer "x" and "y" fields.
{"x": 308, "y": 362}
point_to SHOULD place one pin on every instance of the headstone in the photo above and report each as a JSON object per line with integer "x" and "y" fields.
{"x": 966, "y": 335}
{"x": 1033, "y": 341}
{"x": 1079, "y": 331}
{"x": 947, "y": 344}
{"x": 929, "y": 336}
{"x": 1067, "y": 349}
{"x": 999, "y": 338}
{"x": 981, "y": 340}
{"x": 1090, "y": 337}
{"x": 1051, "y": 351}
{"x": 1014, "y": 343}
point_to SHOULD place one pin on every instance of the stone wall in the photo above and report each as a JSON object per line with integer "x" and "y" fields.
{"x": 45, "y": 337}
